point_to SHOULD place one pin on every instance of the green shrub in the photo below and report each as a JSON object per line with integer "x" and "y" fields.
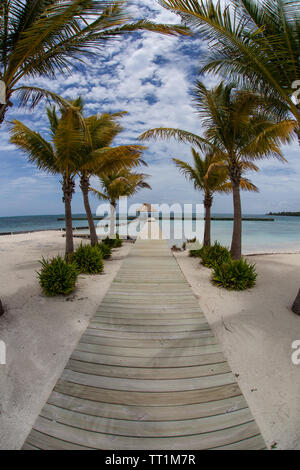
{"x": 88, "y": 259}
{"x": 214, "y": 255}
{"x": 57, "y": 277}
{"x": 105, "y": 250}
{"x": 113, "y": 242}
{"x": 235, "y": 275}
{"x": 195, "y": 253}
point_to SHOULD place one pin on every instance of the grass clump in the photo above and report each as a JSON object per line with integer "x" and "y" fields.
{"x": 88, "y": 259}
{"x": 104, "y": 249}
{"x": 113, "y": 242}
{"x": 214, "y": 255}
{"x": 57, "y": 277}
{"x": 235, "y": 275}
{"x": 195, "y": 253}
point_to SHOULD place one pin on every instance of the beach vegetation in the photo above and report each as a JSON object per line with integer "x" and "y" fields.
{"x": 116, "y": 184}
{"x": 235, "y": 275}
{"x": 105, "y": 250}
{"x": 214, "y": 255}
{"x": 57, "y": 277}
{"x": 239, "y": 131}
{"x": 46, "y": 38}
{"x": 88, "y": 259}
{"x": 256, "y": 44}
{"x": 207, "y": 180}
{"x": 98, "y": 156}
{"x": 114, "y": 242}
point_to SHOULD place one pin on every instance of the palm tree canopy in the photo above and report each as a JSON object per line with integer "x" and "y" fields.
{"x": 235, "y": 126}
{"x": 96, "y": 153}
{"x": 256, "y": 43}
{"x": 42, "y": 38}
{"x": 210, "y": 175}
{"x": 199, "y": 174}
{"x": 78, "y": 144}
{"x": 121, "y": 183}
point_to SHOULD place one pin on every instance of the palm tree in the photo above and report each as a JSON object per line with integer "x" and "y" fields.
{"x": 96, "y": 155}
{"x": 60, "y": 156}
{"x": 207, "y": 177}
{"x": 43, "y": 38}
{"x": 256, "y": 43}
{"x": 116, "y": 185}
{"x": 237, "y": 130}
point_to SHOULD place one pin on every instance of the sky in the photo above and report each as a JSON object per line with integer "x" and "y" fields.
{"x": 151, "y": 77}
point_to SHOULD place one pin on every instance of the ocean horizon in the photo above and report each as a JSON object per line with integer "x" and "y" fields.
{"x": 280, "y": 235}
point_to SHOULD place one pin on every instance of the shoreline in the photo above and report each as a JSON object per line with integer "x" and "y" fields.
{"x": 85, "y": 237}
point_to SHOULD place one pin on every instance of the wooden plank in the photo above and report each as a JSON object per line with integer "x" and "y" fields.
{"x": 151, "y": 362}
{"x": 147, "y": 352}
{"x": 147, "y": 373}
{"x": 147, "y": 413}
{"x": 110, "y": 441}
{"x": 146, "y": 428}
{"x": 46, "y": 442}
{"x": 91, "y": 338}
{"x": 148, "y": 385}
{"x": 189, "y": 397}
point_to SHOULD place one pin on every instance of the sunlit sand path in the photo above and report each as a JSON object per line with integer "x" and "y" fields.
{"x": 148, "y": 372}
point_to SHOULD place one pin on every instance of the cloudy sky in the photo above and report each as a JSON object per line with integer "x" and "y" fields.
{"x": 151, "y": 77}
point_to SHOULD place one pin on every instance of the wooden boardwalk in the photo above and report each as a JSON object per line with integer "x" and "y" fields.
{"x": 148, "y": 372}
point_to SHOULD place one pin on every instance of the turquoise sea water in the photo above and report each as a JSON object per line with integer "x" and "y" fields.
{"x": 282, "y": 235}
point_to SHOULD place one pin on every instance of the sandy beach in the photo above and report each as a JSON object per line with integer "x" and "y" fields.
{"x": 40, "y": 333}
{"x": 255, "y": 328}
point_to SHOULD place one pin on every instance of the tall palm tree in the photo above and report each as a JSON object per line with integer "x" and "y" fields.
{"x": 208, "y": 176}
{"x": 238, "y": 131}
{"x": 43, "y": 38}
{"x": 96, "y": 155}
{"x": 59, "y": 156}
{"x": 117, "y": 184}
{"x": 256, "y": 43}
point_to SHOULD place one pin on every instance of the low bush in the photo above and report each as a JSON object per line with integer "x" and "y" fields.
{"x": 113, "y": 242}
{"x": 88, "y": 259}
{"x": 214, "y": 255}
{"x": 235, "y": 275}
{"x": 57, "y": 277}
{"x": 105, "y": 250}
{"x": 195, "y": 253}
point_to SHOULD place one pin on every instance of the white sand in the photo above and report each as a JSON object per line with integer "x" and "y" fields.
{"x": 256, "y": 329}
{"x": 40, "y": 333}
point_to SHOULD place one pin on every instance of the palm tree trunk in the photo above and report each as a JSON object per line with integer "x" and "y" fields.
{"x": 68, "y": 190}
{"x": 236, "y": 245}
{"x": 296, "y": 304}
{"x": 207, "y": 229}
{"x": 113, "y": 206}
{"x": 3, "y": 109}
{"x": 1, "y": 308}
{"x": 84, "y": 185}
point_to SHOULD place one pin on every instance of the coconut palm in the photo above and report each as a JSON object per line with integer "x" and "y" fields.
{"x": 97, "y": 155}
{"x": 78, "y": 146}
{"x": 256, "y": 43}
{"x": 238, "y": 131}
{"x": 43, "y": 38}
{"x": 209, "y": 176}
{"x": 59, "y": 156}
{"x": 118, "y": 184}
